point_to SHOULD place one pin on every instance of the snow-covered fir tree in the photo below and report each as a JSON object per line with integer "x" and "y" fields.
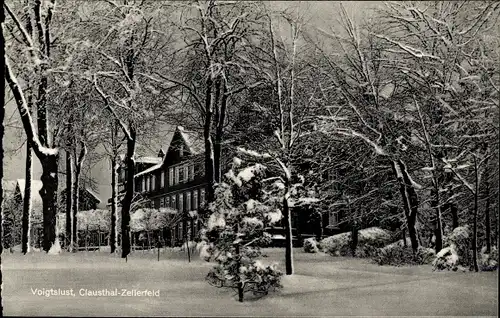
{"x": 236, "y": 229}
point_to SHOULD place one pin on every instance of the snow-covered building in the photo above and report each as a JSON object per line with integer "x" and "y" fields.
{"x": 175, "y": 179}
{"x": 88, "y": 199}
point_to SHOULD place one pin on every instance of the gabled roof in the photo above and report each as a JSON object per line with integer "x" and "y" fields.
{"x": 92, "y": 193}
{"x": 153, "y": 168}
{"x": 193, "y": 141}
{"x": 36, "y": 186}
{"x": 9, "y": 185}
{"x": 89, "y": 191}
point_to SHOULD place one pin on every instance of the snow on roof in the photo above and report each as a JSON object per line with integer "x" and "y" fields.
{"x": 154, "y": 160}
{"x": 9, "y": 185}
{"x": 153, "y": 168}
{"x": 36, "y": 186}
{"x": 193, "y": 140}
{"x": 92, "y": 193}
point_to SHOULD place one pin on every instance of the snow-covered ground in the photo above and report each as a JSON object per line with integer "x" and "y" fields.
{"x": 322, "y": 286}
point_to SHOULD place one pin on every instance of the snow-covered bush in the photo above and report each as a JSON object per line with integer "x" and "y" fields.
{"x": 369, "y": 240}
{"x": 489, "y": 262}
{"x": 374, "y": 237}
{"x": 236, "y": 229}
{"x": 397, "y": 254}
{"x": 337, "y": 245}
{"x": 425, "y": 255}
{"x": 447, "y": 258}
{"x": 311, "y": 245}
{"x": 91, "y": 220}
{"x": 460, "y": 239}
{"x": 456, "y": 254}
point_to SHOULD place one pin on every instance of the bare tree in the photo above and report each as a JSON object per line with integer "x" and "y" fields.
{"x": 2, "y": 116}
{"x": 122, "y": 47}
{"x": 40, "y": 61}
{"x": 217, "y": 37}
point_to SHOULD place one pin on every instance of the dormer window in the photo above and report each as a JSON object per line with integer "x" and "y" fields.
{"x": 181, "y": 150}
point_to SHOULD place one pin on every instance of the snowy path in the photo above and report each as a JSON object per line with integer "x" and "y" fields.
{"x": 322, "y": 286}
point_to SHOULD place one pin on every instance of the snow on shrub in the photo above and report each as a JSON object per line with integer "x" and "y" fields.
{"x": 337, "y": 245}
{"x": 489, "y": 262}
{"x": 460, "y": 239}
{"x": 374, "y": 236}
{"x": 369, "y": 240}
{"x": 191, "y": 245}
{"x": 447, "y": 258}
{"x": 426, "y": 255}
{"x": 92, "y": 220}
{"x": 397, "y": 254}
{"x": 235, "y": 230}
{"x": 311, "y": 245}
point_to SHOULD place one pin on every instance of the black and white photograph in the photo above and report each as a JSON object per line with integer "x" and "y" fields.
{"x": 210, "y": 158}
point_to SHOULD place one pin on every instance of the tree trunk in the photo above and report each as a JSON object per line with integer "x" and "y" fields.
{"x": 69, "y": 198}
{"x": 207, "y": 136}
{"x": 240, "y": 283}
{"x": 438, "y": 231}
{"x": 354, "y": 238}
{"x": 219, "y": 134}
{"x": 113, "y": 232}
{"x": 319, "y": 228}
{"x": 487, "y": 219}
{"x": 25, "y": 239}
{"x": 410, "y": 201}
{"x": 454, "y": 215}
{"x": 288, "y": 232}
{"x": 187, "y": 247}
{"x": 75, "y": 208}
{"x": 474, "y": 225}
{"x": 2, "y": 116}
{"x": 129, "y": 193}
{"x": 48, "y": 194}
{"x": 87, "y": 238}
{"x": 149, "y": 240}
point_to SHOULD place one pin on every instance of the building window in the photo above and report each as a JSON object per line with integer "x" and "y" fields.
{"x": 143, "y": 188}
{"x": 202, "y": 196}
{"x": 170, "y": 176}
{"x": 182, "y": 174}
{"x": 188, "y": 201}
{"x": 167, "y": 201}
{"x": 333, "y": 219}
{"x": 174, "y": 202}
{"x": 195, "y": 199}
{"x": 181, "y": 150}
{"x": 162, "y": 179}
{"x": 181, "y": 202}
{"x": 162, "y": 203}
{"x": 191, "y": 172}
{"x": 153, "y": 182}
{"x": 186, "y": 173}
{"x": 147, "y": 183}
{"x": 176, "y": 179}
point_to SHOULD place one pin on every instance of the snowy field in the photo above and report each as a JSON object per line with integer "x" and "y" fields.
{"x": 322, "y": 286}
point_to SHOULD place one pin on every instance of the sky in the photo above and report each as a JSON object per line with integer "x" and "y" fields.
{"x": 323, "y": 15}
